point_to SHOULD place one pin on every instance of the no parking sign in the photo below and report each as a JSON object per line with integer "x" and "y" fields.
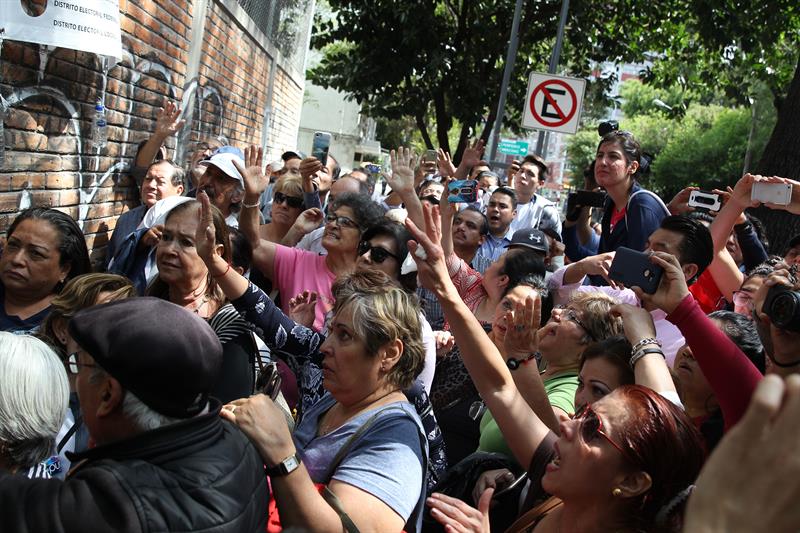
{"x": 553, "y": 103}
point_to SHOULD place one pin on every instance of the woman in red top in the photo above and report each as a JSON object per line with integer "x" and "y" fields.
{"x": 615, "y": 466}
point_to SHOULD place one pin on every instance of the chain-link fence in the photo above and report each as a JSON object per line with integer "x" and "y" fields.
{"x": 286, "y": 24}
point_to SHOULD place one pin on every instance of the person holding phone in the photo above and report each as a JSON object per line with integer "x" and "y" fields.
{"x": 632, "y": 212}
{"x": 604, "y": 471}
{"x": 688, "y": 240}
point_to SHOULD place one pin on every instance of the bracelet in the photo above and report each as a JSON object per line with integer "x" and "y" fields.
{"x": 223, "y": 274}
{"x": 644, "y": 342}
{"x": 641, "y": 353}
{"x": 514, "y": 364}
{"x": 251, "y": 206}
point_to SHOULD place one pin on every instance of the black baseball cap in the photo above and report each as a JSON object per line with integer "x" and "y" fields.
{"x": 530, "y": 238}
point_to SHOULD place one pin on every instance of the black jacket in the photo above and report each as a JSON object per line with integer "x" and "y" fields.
{"x": 199, "y": 475}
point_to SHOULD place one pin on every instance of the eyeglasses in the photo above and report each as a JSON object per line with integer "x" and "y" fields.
{"x": 291, "y": 201}
{"x": 571, "y": 314}
{"x": 73, "y": 366}
{"x": 340, "y": 221}
{"x": 376, "y": 253}
{"x": 592, "y": 426}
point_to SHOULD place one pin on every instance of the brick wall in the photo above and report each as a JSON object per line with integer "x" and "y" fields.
{"x": 50, "y": 95}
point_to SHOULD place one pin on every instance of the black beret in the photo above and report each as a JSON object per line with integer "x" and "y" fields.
{"x": 167, "y": 356}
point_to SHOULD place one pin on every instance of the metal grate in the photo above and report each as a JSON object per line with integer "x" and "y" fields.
{"x": 285, "y": 23}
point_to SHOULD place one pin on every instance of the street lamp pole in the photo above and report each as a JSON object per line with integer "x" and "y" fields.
{"x": 511, "y": 57}
{"x": 541, "y": 147}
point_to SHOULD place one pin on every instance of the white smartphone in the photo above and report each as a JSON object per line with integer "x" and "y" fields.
{"x": 705, "y": 200}
{"x": 774, "y": 193}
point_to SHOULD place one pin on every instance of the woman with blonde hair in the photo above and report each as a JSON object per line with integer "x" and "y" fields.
{"x": 287, "y": 204}
{"x": 81, "y": 292}
{"x": 359, "y": 440}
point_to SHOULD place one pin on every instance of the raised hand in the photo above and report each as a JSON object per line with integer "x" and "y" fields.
{"x": 512, "y": 170}
{"x": 308, "y": 221}
{"x": 637, "y": 322}
{"x": 302, "y": 308}
{"x": 426, "y": 250}
{"x": 205, "y": 239}
{"x": 152, "y": 236}
{"x": 309, "y": 168}
{"x": 671, "y": 290}
{"x": 445, "y": 164}
{"x": 473, "y": 153}
{"x": 522, "y": 325}
{"x": 444, "y": 342}
{"x": 403, "y": 162}
{"x": 598, "y": 265}
{"x": 679, "y": 205}
{"x": 168, "y": 121}
{"x": 255, "y": 181}
{"x": 753, "y": 469}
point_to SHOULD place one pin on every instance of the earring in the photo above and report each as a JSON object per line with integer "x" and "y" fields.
{"x": 616, "y": 492}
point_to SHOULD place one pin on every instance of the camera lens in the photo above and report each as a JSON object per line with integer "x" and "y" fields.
{"x": 786, "y": 310}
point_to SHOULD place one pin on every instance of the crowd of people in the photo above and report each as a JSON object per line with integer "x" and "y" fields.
{"x": 294, "y": 346}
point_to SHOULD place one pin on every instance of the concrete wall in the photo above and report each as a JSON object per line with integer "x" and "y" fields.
{"x": 207, "y": 54}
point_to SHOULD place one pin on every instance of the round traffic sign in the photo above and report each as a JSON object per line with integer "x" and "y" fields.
{"x": 559, "y": 116}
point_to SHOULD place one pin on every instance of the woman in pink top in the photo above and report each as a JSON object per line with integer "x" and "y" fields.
{"x": 293, "y": 271}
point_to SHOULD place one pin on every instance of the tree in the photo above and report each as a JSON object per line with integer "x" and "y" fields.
{"x": 439, "y": 59}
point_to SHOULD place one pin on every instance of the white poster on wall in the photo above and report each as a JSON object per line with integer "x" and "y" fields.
{"x": 91, "y": 26}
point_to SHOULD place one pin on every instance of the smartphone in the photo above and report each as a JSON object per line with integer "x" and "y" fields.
{"x": 321, "y": 145}
{"x": 585, "y": 199}
{"x": 499, "y": 491}
{"x": 705, "y": 200}
{"x": 632, "y": 268}
{"x": 372, "y": 168}
{"x": 462, "y": 191}
{"x": 429, "y": 155}
{"x": 774, "y": 193}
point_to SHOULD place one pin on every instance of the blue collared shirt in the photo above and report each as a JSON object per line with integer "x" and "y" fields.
{"x": 491, "y": 250}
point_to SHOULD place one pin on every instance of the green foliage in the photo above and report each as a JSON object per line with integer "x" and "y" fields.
{"x": 706, "y": 147}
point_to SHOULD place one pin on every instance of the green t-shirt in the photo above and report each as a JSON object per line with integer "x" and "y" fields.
{"x": 560, "y": 391}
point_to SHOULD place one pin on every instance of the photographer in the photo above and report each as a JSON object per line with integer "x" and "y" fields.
{"x": 776, "y": 312}
{"x": 631, "y": 213}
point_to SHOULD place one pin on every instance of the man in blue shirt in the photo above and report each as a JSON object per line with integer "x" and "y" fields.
{"x": 501, "y": 210}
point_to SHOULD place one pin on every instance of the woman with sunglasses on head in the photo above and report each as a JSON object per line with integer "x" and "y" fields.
{"x": 293, "y": 271}
{"x": 625, "y": 458}
{"x": 632, "y": 212}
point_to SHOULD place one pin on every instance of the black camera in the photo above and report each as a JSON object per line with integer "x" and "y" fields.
{"x": 782, "y": 306}
{"x": 607, "y": 127}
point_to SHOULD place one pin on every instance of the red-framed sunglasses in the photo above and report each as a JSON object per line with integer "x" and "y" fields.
{"x": 592, "y": 426}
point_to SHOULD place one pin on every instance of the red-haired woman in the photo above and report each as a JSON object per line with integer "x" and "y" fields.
{"x": 622, "y": 464}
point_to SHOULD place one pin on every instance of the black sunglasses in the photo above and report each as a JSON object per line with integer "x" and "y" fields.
{"x": 291, "y": 201}
{"x": 376, "y": 253}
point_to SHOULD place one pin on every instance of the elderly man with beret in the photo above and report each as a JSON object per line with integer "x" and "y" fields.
{"x": 160, "y": 457}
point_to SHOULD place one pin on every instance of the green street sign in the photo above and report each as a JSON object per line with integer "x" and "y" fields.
{"x": 508, "y": 147}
